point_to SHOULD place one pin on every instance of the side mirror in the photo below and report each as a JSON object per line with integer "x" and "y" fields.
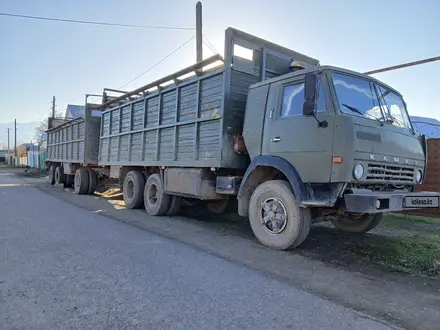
{"x": 309, "y": 106}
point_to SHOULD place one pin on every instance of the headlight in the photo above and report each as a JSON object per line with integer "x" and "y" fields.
{"x": 419, "y": 176}
{"x": 358, "y": 171}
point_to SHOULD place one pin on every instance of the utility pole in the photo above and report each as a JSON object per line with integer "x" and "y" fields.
{"x": 30, "y": 163}
{"x": 8, "y": 129}
{"x": 38, "y": 156}
{"x": 53, "y": 106}
{"x": 15, "y": 140}
{"x": 199, "y": 34}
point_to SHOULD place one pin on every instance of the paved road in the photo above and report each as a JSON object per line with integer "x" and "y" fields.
{"x": 64, "y": 267}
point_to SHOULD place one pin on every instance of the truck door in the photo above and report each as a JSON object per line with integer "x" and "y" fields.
{"x": 297, "y": 138}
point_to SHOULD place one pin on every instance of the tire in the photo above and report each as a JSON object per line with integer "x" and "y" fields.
{"x": 175, "y": 204}
{"x": 81, "y": 182}
{"x": 357, "y": 224}
{"x": 133, "y": 190}
{"x": 156, "y": 201}
{"x": 145, "y": 175}
{"x": 297, "y": 221}
{"x": 68, "y": 181}
{"x": 186, "y": 202}
{"x": 93, "y": 181}
{"x": 59, "y": 175}
{"x": 217, "y": 207}
{"x": 52, "y": 174}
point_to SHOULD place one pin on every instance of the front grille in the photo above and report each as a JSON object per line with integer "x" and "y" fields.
{"x": 390, "y": 174}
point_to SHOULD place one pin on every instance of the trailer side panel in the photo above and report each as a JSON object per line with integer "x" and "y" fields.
{"x": 176, "y": 126}
{"x": 75, "y": 141}
{"x": 65, "y": 143}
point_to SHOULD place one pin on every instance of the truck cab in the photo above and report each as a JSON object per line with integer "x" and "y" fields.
{"x": 343, "y": 142}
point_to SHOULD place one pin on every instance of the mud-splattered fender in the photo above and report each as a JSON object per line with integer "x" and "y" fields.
{"x": 263, "y": 168}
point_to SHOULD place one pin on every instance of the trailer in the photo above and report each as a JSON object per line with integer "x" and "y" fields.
{"x": 73, "y": 145}
{"x": 291, "y": 141}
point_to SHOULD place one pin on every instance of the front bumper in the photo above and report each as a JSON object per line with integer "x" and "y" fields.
{"x": 365, "y": 201}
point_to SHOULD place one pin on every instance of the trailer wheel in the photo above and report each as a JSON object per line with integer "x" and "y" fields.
{"x": 93, "y": 181}
{"x": 59, "y": 175}
{"x": 275, "y": 217}
{"x": 175, "y": 204}
{"x": 81, "y": 183}
{"x": 217, "y": 207}
{"x": 156, "y": 201}
{"x": 133, "y": 189}
{"x": 68, "y": 181}
{"x": 52, "y": 174}
{"x": 357, "y": 223}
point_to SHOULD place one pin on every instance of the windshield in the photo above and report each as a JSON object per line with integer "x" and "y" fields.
{"x": 359, "y": 97}
{"x": 394, "y": 107}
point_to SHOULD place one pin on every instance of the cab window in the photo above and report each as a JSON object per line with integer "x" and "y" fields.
{"x": 293, "y": 99}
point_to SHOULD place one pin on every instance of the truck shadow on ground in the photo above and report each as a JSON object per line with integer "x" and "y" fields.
{"x": 353, "y": 269}
{"x": 398, "y": 246}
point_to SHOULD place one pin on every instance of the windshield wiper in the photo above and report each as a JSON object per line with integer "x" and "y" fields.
{"x": 362, "y": 113}
{"x": 402, "y": 124}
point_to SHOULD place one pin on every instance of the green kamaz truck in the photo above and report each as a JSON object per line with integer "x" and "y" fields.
{"x": 292, "y": 141}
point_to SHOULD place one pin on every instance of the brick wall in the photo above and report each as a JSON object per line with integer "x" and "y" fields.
{"x": 432, "y": 177}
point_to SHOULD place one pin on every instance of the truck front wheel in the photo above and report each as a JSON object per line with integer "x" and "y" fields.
{"x": 276, "y": 219}
{"x": 357, "y": 223}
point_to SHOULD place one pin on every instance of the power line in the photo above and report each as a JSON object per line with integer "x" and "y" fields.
{"x": 210, "y": 45}
{"x": 97, "y": 23}
{"x": 155, "y": 65}
{"x": 207, "y": 45}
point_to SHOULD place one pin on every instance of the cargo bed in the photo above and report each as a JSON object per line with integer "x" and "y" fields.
{"x": 75, "y": 141}
{"x": 191, "y": 122}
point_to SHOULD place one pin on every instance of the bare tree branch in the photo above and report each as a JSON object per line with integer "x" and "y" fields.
{"x": 40, "y": 129}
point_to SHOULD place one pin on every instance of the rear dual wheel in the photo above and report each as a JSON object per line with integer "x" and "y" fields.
{"x": 85, "y": 182}
{"x": 93, "y": 181}
{"x": 52, "y": 169}
{"x": 139, "y": 189}
{"x": 156, "y": 201}
{"x": 59, "y": 175}
{"x": 56, "y": 175}
{"x": 133, "y": 189}
{"x": 68, "y": 180}
{"x": 175, "y": 205}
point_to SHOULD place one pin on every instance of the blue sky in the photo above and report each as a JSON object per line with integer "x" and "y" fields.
{"x": 39, "y": 59}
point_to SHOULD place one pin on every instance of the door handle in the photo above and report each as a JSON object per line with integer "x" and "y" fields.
{"x": 276, "y": 139}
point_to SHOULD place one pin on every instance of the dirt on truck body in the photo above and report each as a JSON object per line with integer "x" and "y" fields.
{"x": 291, "y": 141}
